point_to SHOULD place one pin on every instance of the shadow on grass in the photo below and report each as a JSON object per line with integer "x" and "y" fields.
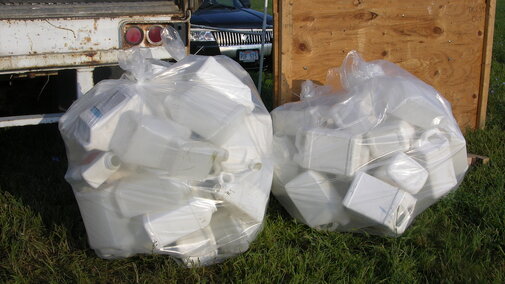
{"x": 33, "y": 169}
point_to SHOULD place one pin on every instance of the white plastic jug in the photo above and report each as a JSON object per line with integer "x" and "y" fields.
{"x": 380, "y": 202}
{"x": 434, "y": 153}
{"x": 247, "y": 193}
{"x": 404, "y": 172}
{"x": 284, "y": 151}
{"x": 97, "y": 123}
{"x": 207, "y": 71}
{"x": 230, "y": 232}
{"x": 164, "y": 144}
{"x": 417, "y": 111}
{"x": 243, "y": 152}
{"x": 99, "y": 168}
{"x": 317, "y": 200}
{"x": 109, "y": 233}
{"x": 166, "y": 227}
{"x": 331, "y": 151}
{"x": 390, "y": 136}
{"x": 206, "y": 112}
{"x": 141, "y": 194}
{"x": 198, "y": 248}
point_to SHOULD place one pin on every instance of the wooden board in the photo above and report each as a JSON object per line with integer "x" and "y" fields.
{"x": 446, "y": 43}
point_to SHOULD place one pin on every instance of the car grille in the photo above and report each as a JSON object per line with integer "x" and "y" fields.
{"x": 227, "y": 38}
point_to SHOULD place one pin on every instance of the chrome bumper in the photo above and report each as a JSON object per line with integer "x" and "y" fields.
{"x": 231, "y": 50}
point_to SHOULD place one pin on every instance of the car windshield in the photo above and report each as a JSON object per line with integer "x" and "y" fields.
{"x": 221, "y": 4}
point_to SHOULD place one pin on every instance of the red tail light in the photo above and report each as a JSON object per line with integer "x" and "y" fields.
{"x": 134, "y": 35}
{"x": 154, "y": 34}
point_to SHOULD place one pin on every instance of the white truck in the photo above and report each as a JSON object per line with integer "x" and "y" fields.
{"x": 67, "y": 40}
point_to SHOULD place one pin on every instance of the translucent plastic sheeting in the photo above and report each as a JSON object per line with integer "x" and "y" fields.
{"x": 173, "y": 158}
{"x": 369, "y": 157}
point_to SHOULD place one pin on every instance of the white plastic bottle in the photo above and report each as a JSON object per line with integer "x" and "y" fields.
{"x": 331, "y": 151}
{"x": 317, "y": 200}
{"x": 109, "y": 234}
{"x": 141, "y": 194}
{"x": 243, "y": 151}
{"x": 206, "y": 112}
{"x": 166, "y": 227}
{"x": 380, "y": 202}
{"x": 165, "y": 145}
{"x": 390, "y": 136}
{"x": 246, "y": 194}
{"x": 96, "y": 124}
{"x": 403, "y": 171}
{"x": 207, "y": 71}
{"x": 197, "y": 249}
{"x": 102, "y": 166}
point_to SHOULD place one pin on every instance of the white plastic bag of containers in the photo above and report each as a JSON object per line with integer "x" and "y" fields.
{"x": 171, "y": 159}
{"x": 370, "y": 157}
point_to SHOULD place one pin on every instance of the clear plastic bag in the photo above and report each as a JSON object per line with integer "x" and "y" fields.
{"x": 173, "y": 158}
{"x": 369, "y": 157}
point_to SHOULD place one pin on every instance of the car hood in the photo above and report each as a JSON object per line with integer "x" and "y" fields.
{"x": 230, "y": 18}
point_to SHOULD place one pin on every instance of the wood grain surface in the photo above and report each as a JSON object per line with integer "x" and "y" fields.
{"x": 443, "y": 42}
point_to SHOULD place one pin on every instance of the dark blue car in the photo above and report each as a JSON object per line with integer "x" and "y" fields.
{"x": 228, "y": 27}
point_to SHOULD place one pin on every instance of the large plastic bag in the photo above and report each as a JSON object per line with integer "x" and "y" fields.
{"x": 369, "y": 157}
{"x": 171, "y": 158}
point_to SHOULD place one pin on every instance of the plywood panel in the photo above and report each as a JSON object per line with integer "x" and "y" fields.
{"x": 440, "y": 41}
{"x": 486, "y": 64}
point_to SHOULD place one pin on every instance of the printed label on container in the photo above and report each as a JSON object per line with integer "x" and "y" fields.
{"x": 94, "y": 114}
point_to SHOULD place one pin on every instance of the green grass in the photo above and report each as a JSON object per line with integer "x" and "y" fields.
{"x": 460, "y": 239}
{"x": 259, "y": 5}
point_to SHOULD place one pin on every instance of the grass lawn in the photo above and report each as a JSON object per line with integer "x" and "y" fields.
{"x": 460, "y": 239}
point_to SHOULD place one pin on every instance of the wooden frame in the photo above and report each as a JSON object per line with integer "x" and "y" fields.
{"x": 448, "y": 44}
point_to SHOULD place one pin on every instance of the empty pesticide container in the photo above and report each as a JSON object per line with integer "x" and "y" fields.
{"x": 243, "y": 152}
{"x": 231, "y": 233}
{"x": 207, "y": 71}
{"x": 206, "y": 112}
{"x": 403, "y": 172}
{"x": 141, "y": 194}
{"x": 418, "y": 111}
{"x": 165, "y": 145}
{"x": 357, "y": 114}
{"x": 380, "y": 202}
{"x": 317, "y": 200}
{"x": 288, "y": 121}
{"x": 284, "y": 151}
{"x": 245, "y": 193}
{"x": 331, "y": 151}
{"x": 434, "y": 153}
{"x": 99, "y": 167}
{"x": 196, "y": 249}
{"x": 390, "y": 136}
{"x": 109, "y": 234}
{"x": 166, "y": 227}
{"x": 458, "y": 146}
{"x": 96, "y": 123}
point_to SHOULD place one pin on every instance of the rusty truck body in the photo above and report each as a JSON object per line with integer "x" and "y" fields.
{"x": 51, "y": 36}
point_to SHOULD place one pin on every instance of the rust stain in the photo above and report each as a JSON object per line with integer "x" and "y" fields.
{"x": 90, "y": 54}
